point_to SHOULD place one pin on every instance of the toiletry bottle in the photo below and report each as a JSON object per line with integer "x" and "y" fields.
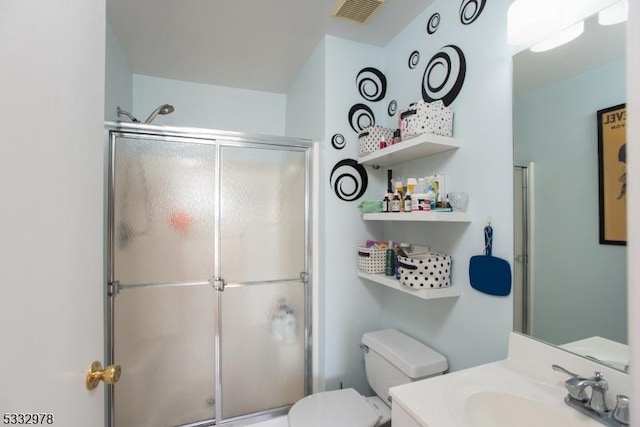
{"x": 432, "y": 198}
{"x": 389, "y": 265}
{"x": 289, "y": 327}
{"x": 278, "y": 322}
{"x": 396, "y": 269}
{"x": 396, "y": 202}
{"x": 411, "y": 185}
{"x": 415, "y": 202}
{"x": 396, "y": 136}
{"x": 399, "y": 188}
{"x": 408, "y": 202}
{"x": 386, "y": 203}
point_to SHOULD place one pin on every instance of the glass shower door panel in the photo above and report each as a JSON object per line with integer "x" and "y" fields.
{"x": 164, "y": 199}
{"x": 262, "y": 347}
{"x": 262, "y": 253}
{"x": 164, "y": 342}
{"x": 262, "y": 209}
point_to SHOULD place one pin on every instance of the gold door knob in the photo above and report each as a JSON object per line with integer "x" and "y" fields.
{"x": 110, "y": 374}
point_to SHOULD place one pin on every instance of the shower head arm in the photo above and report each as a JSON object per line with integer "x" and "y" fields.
{"x": 120, "y": 112}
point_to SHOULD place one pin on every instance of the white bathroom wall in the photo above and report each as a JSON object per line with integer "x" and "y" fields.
{"x": 474, "y": 328}
{"x": 209, "y": 106}
{"x": 305, "y": 112}
{"x": 351, "y": 305}
{"x": 565, "y": 154}
{"x": 305, "y": 117}
{"x": 118, "y": 78}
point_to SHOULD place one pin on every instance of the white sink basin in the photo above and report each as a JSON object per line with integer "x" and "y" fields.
{"x": 498, "y": 396}
{"x": 520, "y": 391}
{"x": 502, "y": 409}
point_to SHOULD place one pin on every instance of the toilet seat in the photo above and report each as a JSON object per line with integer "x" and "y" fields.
{"x": 338, "y": 408}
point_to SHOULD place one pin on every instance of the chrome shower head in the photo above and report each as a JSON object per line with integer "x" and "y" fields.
{"x": 120, "y": 112}
{"x": 162, "y": 110}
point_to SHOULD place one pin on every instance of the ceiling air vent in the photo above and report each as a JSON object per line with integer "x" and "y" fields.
{"x": 357, "y": 10}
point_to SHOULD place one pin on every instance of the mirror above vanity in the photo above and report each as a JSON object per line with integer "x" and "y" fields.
{"x": 570, "y": 290}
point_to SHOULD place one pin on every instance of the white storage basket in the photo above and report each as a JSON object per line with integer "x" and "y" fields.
{"x": 371, "y": 260}
{"x": 432, "y": 270}
{"x": 370, "y": 137}
{"x": 427, "y": 117}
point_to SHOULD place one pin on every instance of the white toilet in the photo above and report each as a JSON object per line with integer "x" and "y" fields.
{"x": 391, "y": 358}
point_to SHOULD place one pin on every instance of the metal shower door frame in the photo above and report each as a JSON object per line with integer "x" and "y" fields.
{"x": 111, "y": 287}
{"x": 526, "y": 231}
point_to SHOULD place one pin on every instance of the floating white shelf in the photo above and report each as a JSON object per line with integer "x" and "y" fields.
{"x": 418, "y": 216}
{"x": 428, "y": 293}
{"x": 413, "y": 148}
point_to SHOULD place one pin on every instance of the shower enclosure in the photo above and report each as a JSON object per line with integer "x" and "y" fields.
{"x": 208, "y": 292}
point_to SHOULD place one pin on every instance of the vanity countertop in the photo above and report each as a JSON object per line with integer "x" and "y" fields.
{"x": 440, "y": 401}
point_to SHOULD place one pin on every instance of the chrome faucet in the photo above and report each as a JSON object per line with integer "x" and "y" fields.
{"x": 595, "y": 404}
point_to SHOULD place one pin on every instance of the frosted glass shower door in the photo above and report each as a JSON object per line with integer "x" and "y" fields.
{"x": 163, "y": 307}
{"x": 263, "y": 263}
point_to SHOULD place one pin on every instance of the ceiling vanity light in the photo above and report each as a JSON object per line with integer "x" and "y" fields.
{"x": 614, "y": 14}
{"x": 560, "y": 38}
{"x": 532, "y": 22}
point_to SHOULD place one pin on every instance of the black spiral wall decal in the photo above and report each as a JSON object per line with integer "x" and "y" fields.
{"x": 470, "y": 10}
{"x": 360, "y": 117}
{"x": 338, "y": 142}
{"x": 444, "y": 76}
{"x": 414, "y": 59}
{"x": 372, "y": 84}
{"x": 433, "y": 23}
{"x": 392, "y": 108}
{"x": 349, "y": 180}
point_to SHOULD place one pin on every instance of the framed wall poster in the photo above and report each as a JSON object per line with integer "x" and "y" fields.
{"x": 612, "y": 169}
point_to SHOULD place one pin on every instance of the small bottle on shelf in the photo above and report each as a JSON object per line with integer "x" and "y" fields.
{"x": 432, "y": 198}
{"x": 411, "y": 185}
{"x": 386, "y": 203}
{"x": 396, "y": 202}
{"x": 396, "y": 136}
{"x": 408, "y": 202}
{"x": 389, "y": 267}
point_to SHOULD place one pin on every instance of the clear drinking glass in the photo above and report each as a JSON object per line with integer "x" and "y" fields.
{"x": 459, "y": 201}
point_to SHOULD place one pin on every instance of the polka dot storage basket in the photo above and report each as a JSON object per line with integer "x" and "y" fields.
{"x": 427, "y": 117}
{"x": 371, "y": 260}
{"x": 369, "y": 139}
{"x": 432, "y": 270}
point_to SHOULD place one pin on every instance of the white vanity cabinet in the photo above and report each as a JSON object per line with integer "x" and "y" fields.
{"x": 414, "y": 148}
{"x": 401, "y": 418}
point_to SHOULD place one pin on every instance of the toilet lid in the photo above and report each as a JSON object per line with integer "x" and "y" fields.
{"x": 338, "y": 408}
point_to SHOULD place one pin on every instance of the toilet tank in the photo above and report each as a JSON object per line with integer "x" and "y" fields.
{"x": 392, "y": 358}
